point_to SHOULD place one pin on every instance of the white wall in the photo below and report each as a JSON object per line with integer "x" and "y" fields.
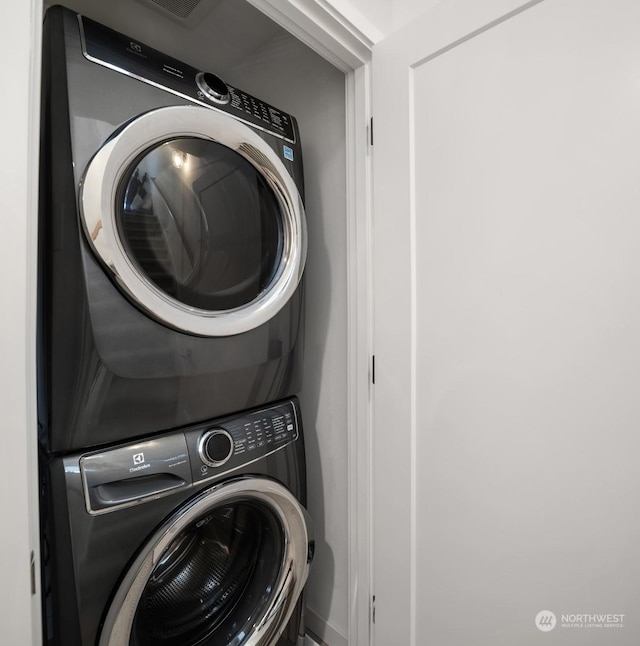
{"x": 379, "y": 18}
{"x": 373, "y": 17}
{"x": 506, "y": 324}
{"x": 18, "y": 112}
{"x": 404, "y": 11}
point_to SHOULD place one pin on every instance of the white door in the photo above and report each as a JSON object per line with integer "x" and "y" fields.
{"x": 507, "y": 325}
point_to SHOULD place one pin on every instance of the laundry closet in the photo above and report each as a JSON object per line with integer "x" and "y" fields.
{"x": 247, "y": 50}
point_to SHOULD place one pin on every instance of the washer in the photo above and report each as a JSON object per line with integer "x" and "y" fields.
{"x": 193, "y": 537}
{"x": 173, "y": 242}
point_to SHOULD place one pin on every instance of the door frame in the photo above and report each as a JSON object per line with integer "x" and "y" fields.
{"x": 20, "y": 560}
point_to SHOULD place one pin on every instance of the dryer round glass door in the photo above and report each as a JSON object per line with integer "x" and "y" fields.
{"x": 197, "y": 219}
{"x": 225, "y": 570}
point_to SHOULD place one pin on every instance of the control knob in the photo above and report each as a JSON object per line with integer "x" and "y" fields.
{"x": 215, "y": 447}
{"x": 213, "y": 87}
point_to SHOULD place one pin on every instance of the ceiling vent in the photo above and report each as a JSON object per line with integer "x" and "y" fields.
{"x": 187, "y": 12}
{"x": 180, "y": 8}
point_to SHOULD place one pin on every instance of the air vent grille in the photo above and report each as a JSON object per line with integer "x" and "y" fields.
{"x": 180, "y": 8}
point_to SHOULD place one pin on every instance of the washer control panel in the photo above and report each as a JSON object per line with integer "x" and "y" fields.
{"x": 140, "y": 471}
{"x": 235, "y": 441}
{"x": 126, "y": 55}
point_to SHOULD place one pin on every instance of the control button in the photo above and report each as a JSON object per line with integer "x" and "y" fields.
{"x": 213, "y": 87}
{"x": 215, "y": 447}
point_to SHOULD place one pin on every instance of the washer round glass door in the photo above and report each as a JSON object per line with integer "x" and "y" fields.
{"x": 197, "y": 219}
{"x": 225, "y": 570}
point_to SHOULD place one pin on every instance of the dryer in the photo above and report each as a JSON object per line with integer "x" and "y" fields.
{"x": 193, "y": 537}
{"x": 173, "y": 242}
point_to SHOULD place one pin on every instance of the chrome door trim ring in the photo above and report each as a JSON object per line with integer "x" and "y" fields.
{"x": 98, "y": 203}
{"x": 294, "y": 570}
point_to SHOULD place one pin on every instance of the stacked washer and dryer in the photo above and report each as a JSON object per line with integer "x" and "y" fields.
{"x": 172, "y": 248}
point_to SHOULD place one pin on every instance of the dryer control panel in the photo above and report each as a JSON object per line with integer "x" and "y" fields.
{"x": 126, "y": 55}
{"x": 140, "y": 471}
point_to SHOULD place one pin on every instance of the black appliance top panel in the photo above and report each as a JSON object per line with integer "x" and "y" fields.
{"x": 233, "y": 442}
{"x": 137, "y": 472}
{"x": 119, "y": 52}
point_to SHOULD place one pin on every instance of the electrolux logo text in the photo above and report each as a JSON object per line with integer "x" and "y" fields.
{"x": 138, "y": 458}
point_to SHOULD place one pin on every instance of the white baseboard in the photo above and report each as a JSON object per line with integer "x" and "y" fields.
{"x": 319, "y": 626}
